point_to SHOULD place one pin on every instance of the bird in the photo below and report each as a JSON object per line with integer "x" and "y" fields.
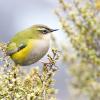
{"x": 29, "y": 45}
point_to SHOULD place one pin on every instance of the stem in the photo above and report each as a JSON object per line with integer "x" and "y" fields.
{"x": 44, "y": 91}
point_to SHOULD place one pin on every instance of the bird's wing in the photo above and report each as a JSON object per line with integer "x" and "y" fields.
{"x": 13, "y": 48}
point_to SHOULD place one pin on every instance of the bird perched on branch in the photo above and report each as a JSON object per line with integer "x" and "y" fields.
{"x": 29, "y": 45}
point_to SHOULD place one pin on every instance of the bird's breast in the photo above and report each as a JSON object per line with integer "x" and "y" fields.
{"x": 33, "y": 52}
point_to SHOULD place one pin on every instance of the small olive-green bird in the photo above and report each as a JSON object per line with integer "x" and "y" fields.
{"x": 29, "y": 45}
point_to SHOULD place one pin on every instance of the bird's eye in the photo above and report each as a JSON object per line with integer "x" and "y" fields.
{"x": 44, "y": 31}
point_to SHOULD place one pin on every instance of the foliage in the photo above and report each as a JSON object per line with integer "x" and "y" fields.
{"x": 16, "y": 84}
{"x": 80, "y": 19}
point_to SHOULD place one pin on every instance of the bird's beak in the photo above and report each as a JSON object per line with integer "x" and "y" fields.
{"x": 54, "y": 30}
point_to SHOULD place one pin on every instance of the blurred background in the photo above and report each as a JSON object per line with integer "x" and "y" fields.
{"x": 15, "y": 15}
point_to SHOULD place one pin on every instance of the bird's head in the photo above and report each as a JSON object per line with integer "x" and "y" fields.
{"x": 43, "y": 29}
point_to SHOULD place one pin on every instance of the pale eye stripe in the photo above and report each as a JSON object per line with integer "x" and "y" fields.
{"x": 40, "y": 29}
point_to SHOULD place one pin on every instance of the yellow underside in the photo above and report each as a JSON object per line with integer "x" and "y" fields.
{"x": 21, "y": 55}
